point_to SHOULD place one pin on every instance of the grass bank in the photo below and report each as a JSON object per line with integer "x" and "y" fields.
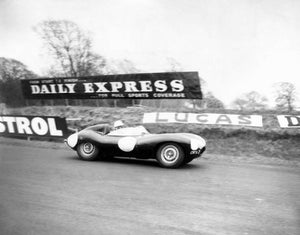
{"x": 270, "y": 140}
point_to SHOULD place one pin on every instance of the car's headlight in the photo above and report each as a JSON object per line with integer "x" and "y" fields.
{"x": 202, "y": 143}
{"x": 197, "y": 143}
{"x": 72, "y": 140}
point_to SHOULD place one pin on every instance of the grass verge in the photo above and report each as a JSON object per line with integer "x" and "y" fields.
{"x": 269, "y": 141}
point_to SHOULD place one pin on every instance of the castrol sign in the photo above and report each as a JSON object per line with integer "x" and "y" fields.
{"x": 42, "y": 126}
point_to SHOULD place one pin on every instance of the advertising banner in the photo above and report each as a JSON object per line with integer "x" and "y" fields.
{"x": 175, "y": 85}
{"x": 204, "y": 118}
{"x": 289, "y": 121}
{"x": 41, "y": 126}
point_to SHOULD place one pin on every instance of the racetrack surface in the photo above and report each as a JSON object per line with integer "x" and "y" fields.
{"x": 50, "y": 191}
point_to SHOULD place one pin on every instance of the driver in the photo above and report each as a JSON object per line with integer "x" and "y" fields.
{"x": 121, "y": 129}
{"x": 119, "y": 124}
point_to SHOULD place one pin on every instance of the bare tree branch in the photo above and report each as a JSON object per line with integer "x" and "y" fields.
{"x": 250, "y": 101}
{"x": 286, "y": 95}
{"x": 71, "y": 48}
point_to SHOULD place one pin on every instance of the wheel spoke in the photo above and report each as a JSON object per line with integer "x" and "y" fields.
{"x": 169, "y": 154}
{"x": 88, "y": 148}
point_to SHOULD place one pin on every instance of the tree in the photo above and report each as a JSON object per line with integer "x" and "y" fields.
{"x": 212, "y": 102}
{"x": 70, "y": 48}
{"x": 121, "y": 66}
{"x": 11, "y": 69}
{"x": 251, "y": 101}
{"x": 208, "y": 101}
{"x": 286, "y": 95}
{"x": 174, "y": 65}
{"x": 11, "y": 72}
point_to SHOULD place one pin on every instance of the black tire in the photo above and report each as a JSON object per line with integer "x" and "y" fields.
{"x": 170, "y": 155}
{"x": 87, "y": 151}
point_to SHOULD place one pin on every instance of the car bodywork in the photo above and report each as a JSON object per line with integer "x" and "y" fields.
{"x": 137, "y": 142}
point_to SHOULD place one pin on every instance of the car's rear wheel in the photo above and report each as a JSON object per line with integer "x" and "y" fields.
{"x": 87, "y": 151}
{"x": 170, "y": 155}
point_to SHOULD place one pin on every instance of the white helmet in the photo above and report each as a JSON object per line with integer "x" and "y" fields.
{"x": 118, "y": 124}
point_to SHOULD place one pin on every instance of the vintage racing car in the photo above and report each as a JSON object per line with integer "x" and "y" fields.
{"x": 170, "y": 149}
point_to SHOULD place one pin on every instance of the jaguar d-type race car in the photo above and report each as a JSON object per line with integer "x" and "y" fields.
{"x": 171, "y": 150}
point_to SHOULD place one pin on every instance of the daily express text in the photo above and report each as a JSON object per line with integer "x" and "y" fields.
{"x": 178, "y": 85}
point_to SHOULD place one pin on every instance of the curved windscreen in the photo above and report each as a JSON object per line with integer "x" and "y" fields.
{"x": 129, "y": 131}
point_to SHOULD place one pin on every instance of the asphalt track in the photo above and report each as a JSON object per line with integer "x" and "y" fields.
{"x": 50, "y": 191}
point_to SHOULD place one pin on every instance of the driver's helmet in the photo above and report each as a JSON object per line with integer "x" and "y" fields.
{"x": 118, "y": 124}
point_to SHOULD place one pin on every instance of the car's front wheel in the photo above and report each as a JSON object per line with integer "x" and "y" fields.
{"x": 170, "y": 155}
{"x": 87, "y": 151}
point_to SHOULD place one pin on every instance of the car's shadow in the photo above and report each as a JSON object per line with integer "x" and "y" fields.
{"x": 141, "y": 162}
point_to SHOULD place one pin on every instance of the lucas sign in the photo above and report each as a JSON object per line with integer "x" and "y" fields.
{"x": 289, "y": 121}
{"x": 177, "y": 85}
{"x": 33, "y": 126}
{"x": 204, "y": 118}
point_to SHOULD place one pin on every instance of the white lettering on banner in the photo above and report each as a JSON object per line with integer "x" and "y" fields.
{"x": 169, "y": 95}
{"x": 10, "y": 125}
{"x": 101, "y": 87}
{"x": 62, "y": 89}
{"x": 53, "y": 129}
{"x": 53, "y": 88}
{"x": 145, "y": 86}
{"x": 177, "y": 85}
{"x": 88, "y": 87}
{"x": 35, "y": 89}
{"x": 159, "y": 86}
{"x": 70, "y": 86}
{"x": 131, "y": 87}
{"x": 2, "y": 126}
{"x": 44, "y": 90}
{"x": 288, "y": 121}
{"x": 23, "y": 125}
{"x": 116, "y": 86}
{"x": 39, "y": 126}
{"x": 204, "y": 118}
